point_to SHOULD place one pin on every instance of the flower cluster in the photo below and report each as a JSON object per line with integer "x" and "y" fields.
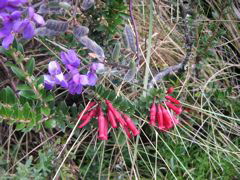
{"x": 113, "y": 117}
{"x": 72, "y": 80}
{"x": 162, "y": 116}
{"x": 15, "y": 19}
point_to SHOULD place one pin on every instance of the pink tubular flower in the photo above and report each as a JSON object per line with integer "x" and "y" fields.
{"x": 153, "y": 114}
{"x": 111, "y": 119}
{"x": 160, "y": 117}
{"x": 102, "y": 125}
{"x": 87, "y": 118}
{"x": 172, "y": 99}
{"x": 115, "y": 113}
{"x": 167, "y": 119}
{"x": 170, "y": 90}
{"x": 176, "y": 109}
{"x": 131, "y": 125}
{"x": 90, "y": 105}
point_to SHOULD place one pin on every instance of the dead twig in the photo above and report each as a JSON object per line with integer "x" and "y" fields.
{"x": 188, "y": 46}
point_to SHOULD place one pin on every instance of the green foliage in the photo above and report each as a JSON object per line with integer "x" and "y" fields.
{"x": 119, "y": 102}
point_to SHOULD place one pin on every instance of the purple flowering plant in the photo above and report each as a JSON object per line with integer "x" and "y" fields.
{"x": 17, "y": 19}
{"x": 72, "y": 80}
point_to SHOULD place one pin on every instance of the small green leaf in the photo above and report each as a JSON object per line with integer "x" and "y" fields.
{"x": 18, "y": 72}
{"x": 23, "y": 87}
{"x": 26, "y": 111}
{"x": 20, "y": 126}
{"x": 28, "y": 94}
{"x": 46, "y": 111}
{"x": 10, "y": 96}
{"x": 30, "y": 66}
{"x": 50, "y": 123}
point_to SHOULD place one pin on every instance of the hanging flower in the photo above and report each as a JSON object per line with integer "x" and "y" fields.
{"x": 165, "y": 119}
{"x": 114, "y": 117}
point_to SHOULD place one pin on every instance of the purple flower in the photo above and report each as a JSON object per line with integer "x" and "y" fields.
{"x": 92, "y": 78}
{"x": 72, "y": 80}
{"x": 96, "y": 66}
{"x": 56, "y": 76}
{"x": 12, "y": 24}
{"x": 7, "y": 31}
{"x": 27, "y": 26}
{"x": 74, "y": 88}
{"x": 49, "y": 82}
{"x": 54, "y": 68}
{"x": 70, "y": 59}
{"x": 11, "y": 5}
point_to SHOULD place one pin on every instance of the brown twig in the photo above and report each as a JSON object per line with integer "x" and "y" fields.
{"x": 188, "y": 45}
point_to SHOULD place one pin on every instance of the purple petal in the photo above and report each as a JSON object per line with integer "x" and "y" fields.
{"x": 72, "y": 69}
{"x": 54, "y": 68}
{"x": 30, "y": 12}
{"x": 92, "y": 79}
{"x": 15, "y": 15}
{"x": 61, "y": 80}
{"x": 73, "y": 88}
{"x": 97, "y": 66}
{"x": 7, "y": 41}
{"x": 80, "y": 79}
{"x": 70, "y": 57}
{"x": 28, "y": 31}
{"x": 49, "y": 82}
{"x": 38, "y": 19}
{"x": 20, "y": 25}
{"x": 3, "y": 3}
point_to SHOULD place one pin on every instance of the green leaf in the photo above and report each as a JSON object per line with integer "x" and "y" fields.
{"x": 20, "y": 126}
{"x": 50, "y": 123}
{"x": 10, "y": 95}
{"x": 23, "y": 87}
{"x": 46, "y": 111}
{"x": 18, "y": 72}
{"x": 28, "y": 94}
{"x": 63, "y": 107}
{"x": 30, "y": 66}
{"x": 26, "y": 111}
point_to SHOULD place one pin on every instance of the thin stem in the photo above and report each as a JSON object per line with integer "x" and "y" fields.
{"x": 147, "y": 69}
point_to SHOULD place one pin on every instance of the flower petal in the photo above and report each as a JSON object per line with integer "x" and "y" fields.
{"x": 30, "y": 12}
{"x": 28, "y": 31}
{"x": 54, "y": 68}
{"x": 49, "y": 82}
{"x": 80, "y": 79}
{"x": 38, "y": 19}
{"x": 92, "y": 79}
{"x": 97, "y": 66}
{"x": 7, "y": 41}
{"x": 61, "y": 80}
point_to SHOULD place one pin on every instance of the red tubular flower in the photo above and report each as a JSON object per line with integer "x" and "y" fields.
{"x": 172, "y": 99}
{"x": 170, "y": 90}
{"x": 90, "y": 105}
{"x": 88, "y": 117}
{"x": 111, "y": 119}
{"x": 176, "y": 109}
{"x": 102, "y": 125}
{"x": 167, "y": 122}
{"x": 115, "y": 113}
{"x": 153, "y": 114}
{"x": 131, "y": 125}
{"x": 160, "y": 117}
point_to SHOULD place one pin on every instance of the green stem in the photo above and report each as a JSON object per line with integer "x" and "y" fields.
{"x": 147, "y": 69}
